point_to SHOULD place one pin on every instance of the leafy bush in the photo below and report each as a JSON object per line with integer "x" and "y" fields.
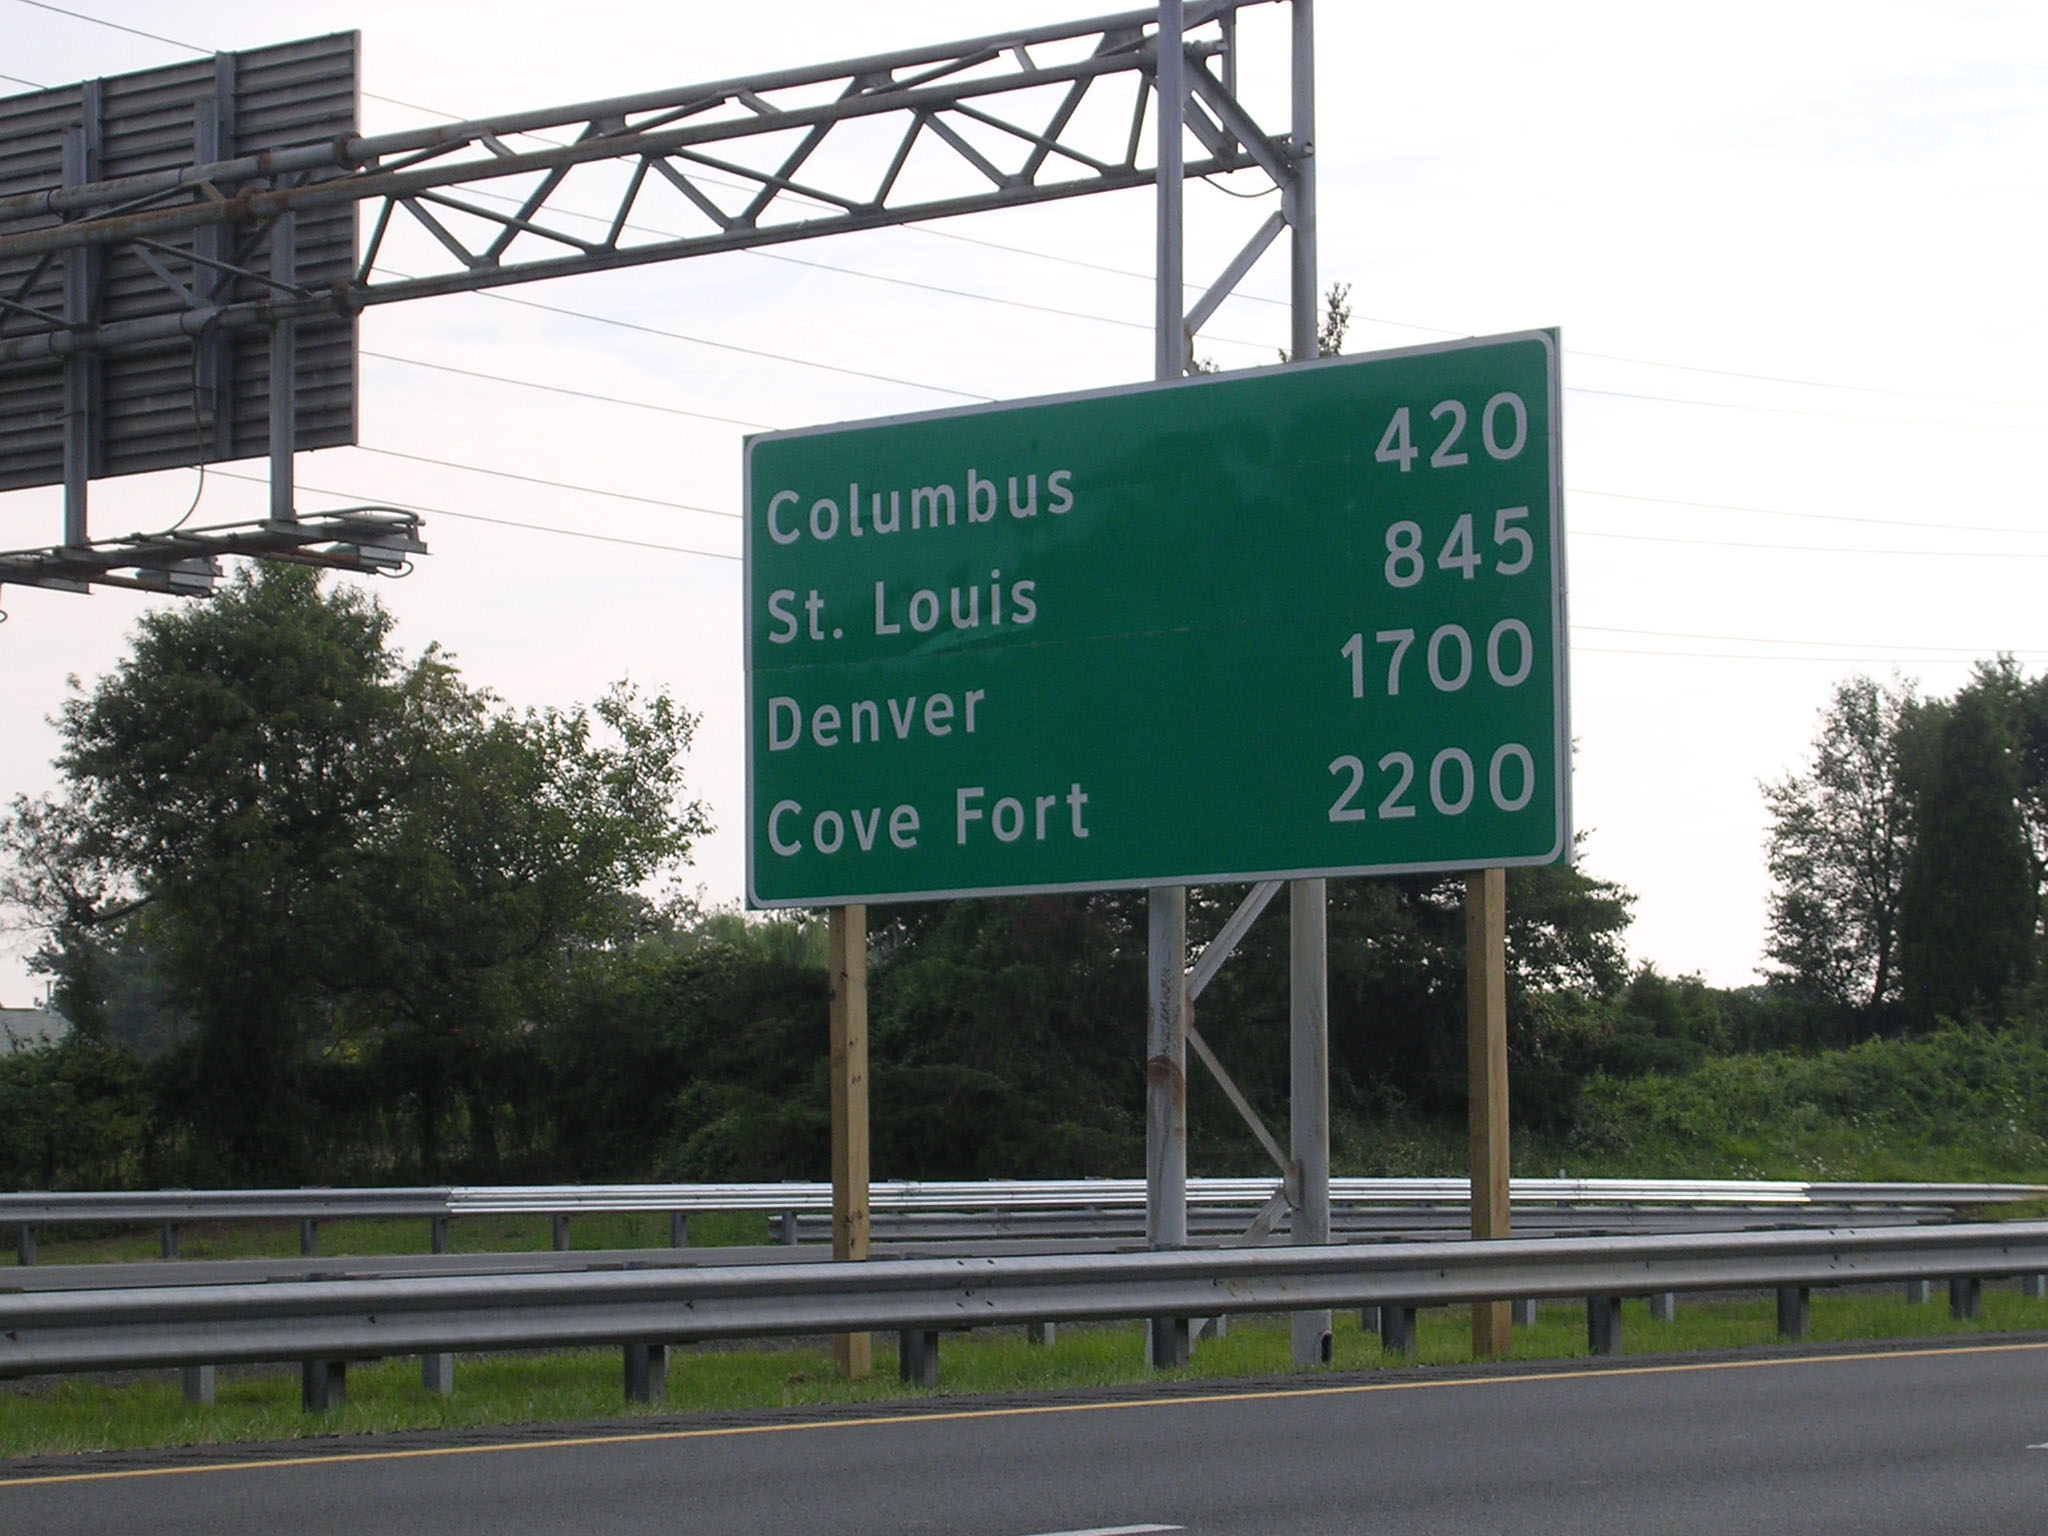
{"x": 1962, "y": 1102}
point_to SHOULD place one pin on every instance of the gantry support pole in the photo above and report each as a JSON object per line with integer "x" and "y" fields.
{"x": 853, "y": 1353}
{"x": 1166, "y": 946}
{"x": 1486, "y": 1037}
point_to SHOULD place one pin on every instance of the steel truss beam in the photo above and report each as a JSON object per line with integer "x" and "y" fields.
{"x": 1015, "y": 118}
{"x": 994, "y": 122}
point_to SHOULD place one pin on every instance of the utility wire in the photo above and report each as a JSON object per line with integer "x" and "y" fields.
{"x": 873, "y": 277}
{"x": 1927, "y": 654}
{"x": 558, "y": 485}
{"x": 478, "y": 517}
{"x": 1893, "y": 659}
{"x": 1238, "y": 341}
{"x": 1816, "y": 517}
{"x": 158, "y": 37}
{"x": 1017, "y": 250}
{"x": 1252, "y": 297}
{"x": 1816, "y": 549}
{"x": 1788, "y": 410}
{"x": 558, "y": 389}
{"x": 1865, "y": 645}
{"x": 730, "y": 346}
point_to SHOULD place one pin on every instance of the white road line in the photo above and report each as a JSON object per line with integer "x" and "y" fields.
{"x": 1131, "y": 1530}
{"x": 2043, "y": 1446}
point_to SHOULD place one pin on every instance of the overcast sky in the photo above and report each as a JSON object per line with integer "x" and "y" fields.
{"x": 1795, "y": 251}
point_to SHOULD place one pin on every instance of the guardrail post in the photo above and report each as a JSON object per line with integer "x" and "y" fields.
{"x": 323, "y": 1385}
{"x": 309, "y": 1237}
{"x": 1919, "y": 1292}
{"x": 1369, "y": 1319}
{"x": 2034, "y": 1287}
{"x": 1603, "y": 1325}
{"x": 1045, "y": 1334}
{"x": 782, "y": 1228}
{"x": 1397, "y": 1330}
{"x": 560, "y": 1223}
{"x": 196, "y": 1383}
{"x": 168, "y": 1239}
{"x": 25, "y": 1245}
{"x": 437, "y": 1371}
{"x": 1524, "y": 1313}
{"x": 917, "y": 1357}
{"x": 679, "y": 1229}
{"x": 1965, "y": 1296}
{"x": 646, "y": 1372}
{"x": 1663, "y": 1306}
{"x": 1795, "y": 1311}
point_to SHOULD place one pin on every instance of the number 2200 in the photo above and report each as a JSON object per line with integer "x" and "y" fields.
{"x": 1452, "y": 778}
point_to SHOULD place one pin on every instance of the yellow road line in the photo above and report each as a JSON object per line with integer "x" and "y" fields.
{"x": 956, "y": 1416}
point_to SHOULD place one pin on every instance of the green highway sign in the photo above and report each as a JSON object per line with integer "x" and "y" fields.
{"x": 1304, "y": 620}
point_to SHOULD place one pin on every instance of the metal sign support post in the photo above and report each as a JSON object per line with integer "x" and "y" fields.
{"x": 1307, "y": 927}
{"x": 1486, "y": 1036}
{"x": 853, "y": 1353}
{"x": 82, "y": 284}
{"x": 284, "y": 363}
{"x": 1166, "y": 947}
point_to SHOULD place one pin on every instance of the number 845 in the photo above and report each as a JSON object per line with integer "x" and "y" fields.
{"x": 1406, "y": 564}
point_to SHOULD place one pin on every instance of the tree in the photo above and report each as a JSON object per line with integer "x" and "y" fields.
{"x": 1969, "y": 901}
{"x": 336, "y": 853}
{"x": 2022, "y": 705}
{"x": 1838, "y": 845}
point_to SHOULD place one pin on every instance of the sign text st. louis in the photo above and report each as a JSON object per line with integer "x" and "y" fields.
{"x": 1307, "y": 620}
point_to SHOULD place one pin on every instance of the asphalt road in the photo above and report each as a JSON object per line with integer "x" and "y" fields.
{"x": 1916, "y": 1440}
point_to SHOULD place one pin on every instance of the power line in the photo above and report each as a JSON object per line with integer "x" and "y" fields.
{"x": 1675, "y": 634}
{"x": 101, "y": 21}
{"x": 1789, "y": 410}
{"x": 31, "y": 84}
{"x": 1817, "y": 549}
{"x": 1238, "y": 341}
{"x": 158, "y": 37}
{"x": 1921, "y": 654}
{"x": 1147, "y": 277}
{"x": 478, "y": 517}
{"x": 1893, "y": 659}
{"x": 558, "y": 389}
{"x": 730, "y": 346}
{"x": 1817, "y": 517}
{"x": 558, "y": 485}
{"x": 873, "y": 277}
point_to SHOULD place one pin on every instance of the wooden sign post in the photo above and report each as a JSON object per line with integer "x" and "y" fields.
{"x": 1486, "y": 1040}
{"x": 853, "y": 1353}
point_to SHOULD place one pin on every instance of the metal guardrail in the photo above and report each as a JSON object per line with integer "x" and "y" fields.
{"x": 338, "y": 1320}
{"x": 1090, "y": 1207}
{"x": 151, "y": 1207}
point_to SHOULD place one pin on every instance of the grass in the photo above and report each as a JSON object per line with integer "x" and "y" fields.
{"x": 55, "y": 1416}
